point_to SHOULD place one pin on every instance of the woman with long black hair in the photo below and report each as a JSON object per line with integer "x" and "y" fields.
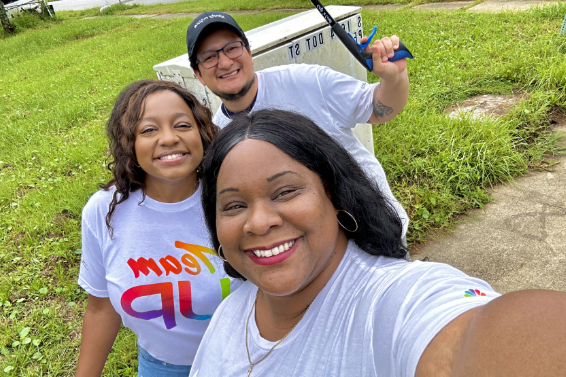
{"x": 328, "y": 292}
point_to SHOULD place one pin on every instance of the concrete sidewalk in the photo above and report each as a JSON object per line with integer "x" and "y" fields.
{"x": 487, "y": 6}
{"x": 516, "y": 242}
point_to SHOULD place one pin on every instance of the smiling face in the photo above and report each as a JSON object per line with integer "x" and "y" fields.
{"x": 168, "y": 145}
{"x": 275, "y": 221}
{"x": 231, "y": 79}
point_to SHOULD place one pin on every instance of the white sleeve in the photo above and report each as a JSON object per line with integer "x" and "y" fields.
{"x": 92, "y": 275}
{"x": 348, "y": 99}
{"x": 422, "y": 301}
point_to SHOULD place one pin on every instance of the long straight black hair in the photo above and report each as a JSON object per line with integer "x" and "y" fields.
{"x": 379, "y": 226}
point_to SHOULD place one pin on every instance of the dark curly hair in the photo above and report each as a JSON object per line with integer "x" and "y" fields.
{"x": 128, "y": 176}
{"x": 379, "y": 230}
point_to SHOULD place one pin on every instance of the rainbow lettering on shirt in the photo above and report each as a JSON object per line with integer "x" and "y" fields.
{"x": 170, "y": 264}
{"x": 473, "y": 292}
{"x": 189, "y": 263}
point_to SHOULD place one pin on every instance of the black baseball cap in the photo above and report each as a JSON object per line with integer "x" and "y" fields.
{"x": 203, "y": 24}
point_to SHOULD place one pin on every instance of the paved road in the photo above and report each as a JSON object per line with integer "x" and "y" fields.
{"x": 86, "y": 4}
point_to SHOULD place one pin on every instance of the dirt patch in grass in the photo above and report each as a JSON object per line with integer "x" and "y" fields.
{"x": 17, "y": 297}
{"x": 55, "y": 235}
{"x": 65, "y": 312}
{"x": 558, "y": 117}
{"x": 18, "y": 238}
{"x": 50, "y": 265}
{"x": 486, "y": 105}
{"x": 556, "y": 125}
{"x": 60, "y": 218}
{"x": 83, "y": 37}
{"x": 75, "y": 335}
{"x": 73, "y": 169}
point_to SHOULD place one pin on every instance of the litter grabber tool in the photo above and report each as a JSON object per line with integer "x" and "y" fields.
{"x": 356, "y": 49}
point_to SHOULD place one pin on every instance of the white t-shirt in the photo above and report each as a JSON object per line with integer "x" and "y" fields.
{"x": 374, "y": 317}
{"x": 334, "y": 101}
{"x": 158, "y": 271}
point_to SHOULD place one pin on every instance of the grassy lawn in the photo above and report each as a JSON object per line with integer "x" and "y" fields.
{"x": 57, "y": 86}
{"x": 232, "y": 5}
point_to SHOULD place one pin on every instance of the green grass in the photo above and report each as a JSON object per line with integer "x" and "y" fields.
{"x": 26, "y": 20}
{"x": 442, "y": 166}
{"x": 117, "y": 9}
{"x": 233, "y": 5}
{"x": 58, "y": 82}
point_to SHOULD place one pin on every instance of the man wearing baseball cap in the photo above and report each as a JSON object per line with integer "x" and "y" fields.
{"x": 220, "y": 56}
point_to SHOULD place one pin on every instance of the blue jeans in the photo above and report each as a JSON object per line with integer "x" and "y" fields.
{"x": 149, "y": 366}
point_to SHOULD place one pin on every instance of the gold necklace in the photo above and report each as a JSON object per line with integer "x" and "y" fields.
{"x": 252, "y": 365}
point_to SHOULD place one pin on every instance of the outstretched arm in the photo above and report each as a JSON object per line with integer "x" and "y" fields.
{"x": 100, "y": 327}
{"x": 518, "y": 334}
{"x": 391, "y": 95}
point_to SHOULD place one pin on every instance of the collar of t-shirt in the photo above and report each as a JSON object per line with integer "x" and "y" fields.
{"x": 314, "y": 308}
{"x": 228, "y": 114}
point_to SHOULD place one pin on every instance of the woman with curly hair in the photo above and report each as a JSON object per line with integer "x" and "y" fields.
{"x": 147, "y": 261}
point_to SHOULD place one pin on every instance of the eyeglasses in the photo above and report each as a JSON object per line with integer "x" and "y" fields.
{"x": 232, "y": 50}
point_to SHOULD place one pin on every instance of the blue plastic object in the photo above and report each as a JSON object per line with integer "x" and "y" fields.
{"x": 401, "y": 53}
{"x": 363, "y": 47}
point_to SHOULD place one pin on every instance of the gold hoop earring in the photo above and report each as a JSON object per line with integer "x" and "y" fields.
{"x": 220, "y": 255}
{"x": 352, "y": 219}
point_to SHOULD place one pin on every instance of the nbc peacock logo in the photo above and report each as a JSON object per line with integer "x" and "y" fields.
{"x": 473, "y": 292}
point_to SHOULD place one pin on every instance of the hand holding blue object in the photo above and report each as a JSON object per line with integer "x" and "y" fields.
{"x": 357, "y": 50}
